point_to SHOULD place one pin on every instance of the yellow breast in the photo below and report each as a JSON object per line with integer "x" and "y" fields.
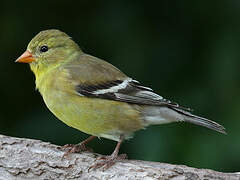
{"x": 95, "y": 116}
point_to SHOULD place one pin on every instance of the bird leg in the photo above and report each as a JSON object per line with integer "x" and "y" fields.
{"x": 108, "y": 161}
{"x": 76, "y": 148}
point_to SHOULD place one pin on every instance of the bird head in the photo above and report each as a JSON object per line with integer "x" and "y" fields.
{"x": 48, "y": 49}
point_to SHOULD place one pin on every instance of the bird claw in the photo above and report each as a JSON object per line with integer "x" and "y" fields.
{"x": 75, "y": 148}
{"x": 107, "y": 161}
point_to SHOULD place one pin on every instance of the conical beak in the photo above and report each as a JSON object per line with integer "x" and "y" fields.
{"x": 26, "y": 57}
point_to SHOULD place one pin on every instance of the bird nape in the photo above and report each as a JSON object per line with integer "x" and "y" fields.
{"x": 95, "y": 97}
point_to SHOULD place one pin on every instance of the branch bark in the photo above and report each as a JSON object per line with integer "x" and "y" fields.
{"x": 33, "y": 159}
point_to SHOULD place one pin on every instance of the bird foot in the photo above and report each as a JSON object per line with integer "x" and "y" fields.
{"x": 107, "y": 161}
{"x": 75, "y": 148}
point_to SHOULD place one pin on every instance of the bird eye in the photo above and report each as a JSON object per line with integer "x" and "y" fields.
{"x": 43, "y": 49}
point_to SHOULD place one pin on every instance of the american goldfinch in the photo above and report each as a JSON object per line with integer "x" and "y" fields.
{"x": 95, "y": 97}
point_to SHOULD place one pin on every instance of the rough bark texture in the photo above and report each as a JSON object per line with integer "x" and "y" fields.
{"x": 34, "y": 159}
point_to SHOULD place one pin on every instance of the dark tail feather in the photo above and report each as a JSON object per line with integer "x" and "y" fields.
{"x": 201, "y": 121}
{"x": 206, "y": 123}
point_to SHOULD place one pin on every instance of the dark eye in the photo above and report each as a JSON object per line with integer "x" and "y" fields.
{"x": 43, "y": 49}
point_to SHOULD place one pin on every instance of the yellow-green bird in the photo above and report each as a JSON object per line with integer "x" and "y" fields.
{"x": 95, "y": 97}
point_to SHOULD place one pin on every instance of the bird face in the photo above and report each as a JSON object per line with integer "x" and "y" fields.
{"x": 47, "y": 49}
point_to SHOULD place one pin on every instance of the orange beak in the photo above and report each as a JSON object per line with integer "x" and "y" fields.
{"x": 26, "y": 57}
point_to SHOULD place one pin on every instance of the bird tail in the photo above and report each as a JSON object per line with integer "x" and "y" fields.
{"x": 161, "y": 115}
{"x": 191, "y": 118}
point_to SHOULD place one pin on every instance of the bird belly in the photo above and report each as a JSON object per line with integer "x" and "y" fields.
{"x": 98, "y": 117}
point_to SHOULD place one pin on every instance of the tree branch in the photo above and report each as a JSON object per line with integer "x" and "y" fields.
{"x": 34, "y": 159}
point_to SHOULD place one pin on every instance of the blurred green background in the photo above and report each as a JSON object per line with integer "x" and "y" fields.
{"x": 187, "y": 51}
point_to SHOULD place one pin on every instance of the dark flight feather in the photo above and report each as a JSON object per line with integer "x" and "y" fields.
{"x": 133, "y": 93}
